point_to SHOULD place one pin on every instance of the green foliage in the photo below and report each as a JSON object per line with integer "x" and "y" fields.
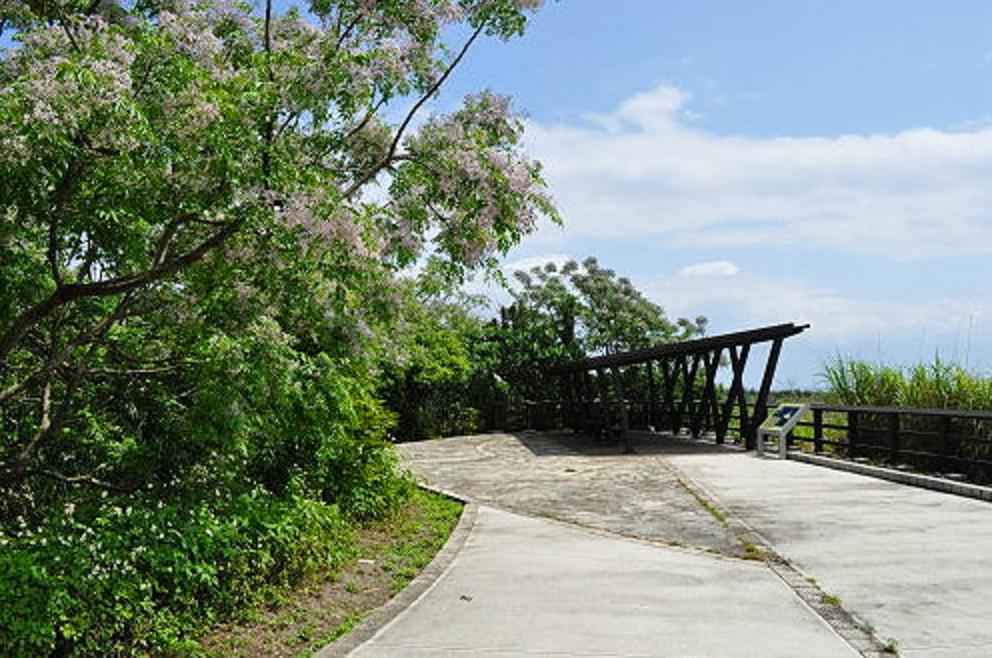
{"x": 444, "y": 372}
{"x": 200, "y": 299}
{"x": 124, "y": 575}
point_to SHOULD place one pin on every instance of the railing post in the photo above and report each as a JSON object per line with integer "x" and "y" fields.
{"x": 818, "y": 431}
{"x": 894, "y": 438}
{"x": 945, "y": 443}
{"x": 852, "y": 434}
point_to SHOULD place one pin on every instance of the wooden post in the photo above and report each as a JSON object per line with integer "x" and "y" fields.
{"x": 622, "y": 418}
{"x": 669, "y": 374}
{"x": 735, "y": 394}
{"x": 852, "y": 434}
{"x": 710, "y": 417}
{"x": 604, "y": 403}
{"x": 817, "y": 431}
{"x": 894, "y": 439}
{"x": 651, "y": 394}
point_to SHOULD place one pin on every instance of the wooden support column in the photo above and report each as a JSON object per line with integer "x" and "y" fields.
{"x": 669, "y": 374}
{"x": 736, "y": 394}
{"x": 623, "y": 420}
{"x": 604, "y": 403}
{"x": 761, "y": 406}
{"x": 649, "y": 412}
{"x": 853, "y": 435}
{"x": 817, "y": 431}
{"x": 688, "y": 390}
{"x": 710, "y": 411}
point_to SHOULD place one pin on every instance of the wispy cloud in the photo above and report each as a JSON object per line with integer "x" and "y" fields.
{"x": 755, "y": 300}
{"x": 711, "y": 268}
{"x": 643, "y": 171}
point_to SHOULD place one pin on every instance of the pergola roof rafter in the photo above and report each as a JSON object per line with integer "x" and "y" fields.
{"x": 687, "y": 347}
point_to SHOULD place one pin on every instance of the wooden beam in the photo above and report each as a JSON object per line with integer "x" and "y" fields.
{"x": 761, "y": 406}
{"x": 738, "y": 361}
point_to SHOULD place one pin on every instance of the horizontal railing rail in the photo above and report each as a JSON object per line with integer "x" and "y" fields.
{"x": 948, "y": 442}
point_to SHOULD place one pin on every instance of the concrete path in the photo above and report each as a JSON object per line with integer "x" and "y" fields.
{"x": 523, "y": 586}
{"x": 914, "y": 563}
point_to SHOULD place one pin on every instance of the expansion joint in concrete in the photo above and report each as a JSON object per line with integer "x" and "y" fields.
{"x": 856, "y": 633}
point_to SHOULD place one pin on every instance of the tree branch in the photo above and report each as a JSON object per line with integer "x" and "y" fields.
{"x": 71, "y": 292}
{"x": 44, "y": 427}
{"x": 386, "y": 159}
{"x": 365, "y": 120}
{"x": 87, "y": 480}
{"x": 132, "y": 372}
{"x": 68, "y": 32}
{"x": 270, "y": 119}
{"x": 347, "y": 30}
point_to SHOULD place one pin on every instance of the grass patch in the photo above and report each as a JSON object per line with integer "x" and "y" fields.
{"x": 831, "y": 599}
{"x": 752, "y": 551}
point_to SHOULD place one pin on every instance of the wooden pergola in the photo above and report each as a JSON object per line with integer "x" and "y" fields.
{"x": 681, "y": 385}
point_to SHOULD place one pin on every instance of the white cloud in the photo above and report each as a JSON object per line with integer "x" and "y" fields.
{"x": 643, "y": 172}
{"x": 750, "y": 301}
{"x": 711, "y": 268}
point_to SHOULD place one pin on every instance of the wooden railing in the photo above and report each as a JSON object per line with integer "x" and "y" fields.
{"x": 947, "y": 442}
{"x": 943, "y": 441}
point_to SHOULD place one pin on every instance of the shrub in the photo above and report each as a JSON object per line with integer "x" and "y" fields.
{"x": 119, "y": 576}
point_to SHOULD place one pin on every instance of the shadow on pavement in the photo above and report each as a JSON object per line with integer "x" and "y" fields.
{"x": 566, "y": 442}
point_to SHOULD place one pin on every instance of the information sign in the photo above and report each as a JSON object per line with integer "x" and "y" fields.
{"x": 780, "y": 422}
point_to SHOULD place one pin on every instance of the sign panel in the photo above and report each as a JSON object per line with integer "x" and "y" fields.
{"x": 782, "y": 415}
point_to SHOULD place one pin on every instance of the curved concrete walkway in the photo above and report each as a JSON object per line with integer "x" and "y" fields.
{"x": 524, "y": 586}
{"x": 581, "y": 550}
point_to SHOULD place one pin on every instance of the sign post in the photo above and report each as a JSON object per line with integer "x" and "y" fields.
{"x": 779, "y": 423}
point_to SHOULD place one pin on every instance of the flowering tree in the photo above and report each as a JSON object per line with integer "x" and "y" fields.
{"x": 182, "y": 182}
{"x": 577, "y": 310}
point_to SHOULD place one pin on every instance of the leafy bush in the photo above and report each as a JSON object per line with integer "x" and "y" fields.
{"x": 119, "y": 576}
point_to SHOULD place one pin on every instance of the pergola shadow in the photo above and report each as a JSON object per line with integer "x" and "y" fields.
{"x": 565, "y": 442}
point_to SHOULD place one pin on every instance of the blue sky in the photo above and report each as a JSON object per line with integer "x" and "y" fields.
{"x": 759, "y": 162}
